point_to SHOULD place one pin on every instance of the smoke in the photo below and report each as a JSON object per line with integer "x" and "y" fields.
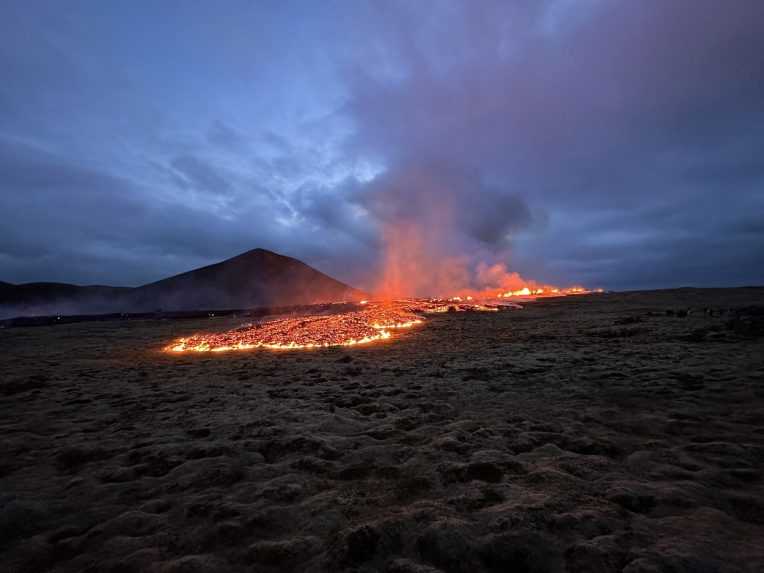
{"x": 566, "y": 105}
{"x": 438, "y": 228}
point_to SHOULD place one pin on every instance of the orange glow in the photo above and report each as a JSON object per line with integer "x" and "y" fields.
{"x": 526, "y": 292}
{"x": 416, "y": 263}
{"x": 374, "y": 321}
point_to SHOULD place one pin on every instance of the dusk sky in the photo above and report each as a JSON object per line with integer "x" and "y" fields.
{"x": 614, "y": 144}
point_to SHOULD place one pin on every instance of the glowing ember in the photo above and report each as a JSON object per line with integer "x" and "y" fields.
{"x": 543, "y": 292}
{"x": 371, "y": 321}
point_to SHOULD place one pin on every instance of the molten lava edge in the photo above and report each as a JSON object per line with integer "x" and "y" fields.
{"x": 371, "y": 322}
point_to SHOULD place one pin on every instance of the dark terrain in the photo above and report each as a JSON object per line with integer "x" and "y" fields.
{"x": 615, "y": 432}
{"x": 253, "y": 279}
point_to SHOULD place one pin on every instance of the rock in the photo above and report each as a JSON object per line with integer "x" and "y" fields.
{"x": 480, "y": 471}
{"x": 631, "y": 498}
{"x": 450, "y": 443}
{"x": 199, "y": 432}
{"x": 600, "y": 555}
{"x": 548, "y": 450}
{"x": 408, "y": 566}
{"x": 410, "y": 486}
{"x": 20, "y": 519}
{"x": 283, "y": 551}
{"x": 34, "y": 382}
{"x": 73, "y": 457}
{"x": 192, "y": 564}
{"x": 627, "y": 320}
{"x": 447, "y": 545}
{"x": 521, "y": 552}
{"x": 477, "y": 498}
{"x": 131, "y": 523}
{"x": 748, "y": 322}
{"x": 484, "y": 471}
{"x": 361, "y": 543}
{"x": 206, "y": 472}
{"x": 586, "y": 523}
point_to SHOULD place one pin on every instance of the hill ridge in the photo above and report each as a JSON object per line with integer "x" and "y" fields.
{"x": 257, "y": 277}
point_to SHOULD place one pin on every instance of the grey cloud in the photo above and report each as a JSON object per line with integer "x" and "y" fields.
{"x": 494, "y": 219}
{"x": 633, "y": 105}
{"x": 201, "y": 175}
{"x": 334, "y": 210}
{"x": 227, "y": 137}
{"x": 142, "y": 241}
{"x": 457, "y": 197}
{"x": 611, "y": 143}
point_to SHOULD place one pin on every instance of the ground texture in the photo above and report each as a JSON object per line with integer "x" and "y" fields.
{"x": 594, "y": 434}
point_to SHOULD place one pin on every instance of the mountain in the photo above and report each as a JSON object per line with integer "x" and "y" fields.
{"x": 255, "y": 278}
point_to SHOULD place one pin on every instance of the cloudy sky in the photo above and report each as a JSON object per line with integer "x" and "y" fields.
{"x": 610, "y": 143}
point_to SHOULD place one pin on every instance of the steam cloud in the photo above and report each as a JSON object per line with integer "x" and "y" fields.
{"x": 436, "y": 224}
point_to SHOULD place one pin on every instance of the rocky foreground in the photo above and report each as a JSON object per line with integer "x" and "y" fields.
{"x": 618, "y": 432}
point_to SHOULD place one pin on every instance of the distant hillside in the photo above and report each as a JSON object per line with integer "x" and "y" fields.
{"x": 58, "y": 298}
{"x": 255, "y": 278}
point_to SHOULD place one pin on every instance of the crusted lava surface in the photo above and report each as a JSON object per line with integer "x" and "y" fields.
{"x": 365, "y": 323}
{"x": 612, "y": 432}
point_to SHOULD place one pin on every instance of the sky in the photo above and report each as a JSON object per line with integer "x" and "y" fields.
{"x": 614, "y": 144}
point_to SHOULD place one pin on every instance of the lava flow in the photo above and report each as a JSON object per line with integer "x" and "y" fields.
{"x": 372, "y": 321}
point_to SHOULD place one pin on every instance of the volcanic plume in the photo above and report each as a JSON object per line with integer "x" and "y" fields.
{"x": 418, "y": 257}
{"x": 443, "y": 235}
{"x": 435, "y": 258}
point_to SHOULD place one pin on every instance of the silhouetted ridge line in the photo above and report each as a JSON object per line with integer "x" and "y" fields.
{"x": 255, "y": 278}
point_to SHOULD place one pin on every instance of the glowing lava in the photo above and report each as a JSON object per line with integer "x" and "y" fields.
{"x": 546, "y": 291}
{"x": 373, "y": 321}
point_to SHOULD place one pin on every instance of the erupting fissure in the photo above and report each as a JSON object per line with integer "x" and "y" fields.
{"x": 370, "y": 321}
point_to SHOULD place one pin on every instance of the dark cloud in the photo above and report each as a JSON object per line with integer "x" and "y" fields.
{"x": 628, "y": 106}
{"x": 439, "y": 194}
{"x": 201, "y": 175}
{"x": 616, "y": 144}
{"x": 144, "y": 239}
{"x": 494, "y": 220}
{"x": 227, "y": 137}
